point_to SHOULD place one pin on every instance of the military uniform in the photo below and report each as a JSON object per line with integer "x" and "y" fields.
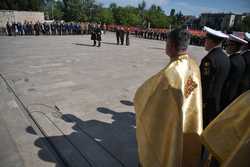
{"x": 122, "y": 33}
{"x": 98, "y": 33}
{"x": 127, "y": 37}
{"x": 117, "y": 33}
{"x": 214, "y": 71}
{"x": 8, "y": 26}
{"x": 237, "y": 69}
{"x": 93, "y": 35}
{"x": 245, "y": 82}
{"x": 231, "y": 86}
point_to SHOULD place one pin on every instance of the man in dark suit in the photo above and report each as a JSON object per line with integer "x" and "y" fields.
{"x": 122, "y": 34}
{"x": 98, "y": 32}
{"x": 117, "y": 33}
{"x": 245, "y": 82}
{"x": 93, "y": 34}
{"x": 237, "y": 68}
{"x": 214, "y": 68}
{"x": 127, "y": 36}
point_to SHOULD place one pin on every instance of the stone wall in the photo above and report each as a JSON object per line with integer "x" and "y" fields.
{"x": 19, "y": 16}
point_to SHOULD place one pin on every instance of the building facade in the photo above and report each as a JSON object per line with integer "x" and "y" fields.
{"x": 221, "y": 21}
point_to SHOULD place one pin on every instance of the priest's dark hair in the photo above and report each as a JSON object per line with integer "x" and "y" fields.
{"x": 180, "y": 37}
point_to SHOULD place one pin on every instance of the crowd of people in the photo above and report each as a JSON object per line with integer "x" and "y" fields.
{"x": 96, "y": 34}
{"x": 156, "y": 34}
{"x": 121, "y": 34}
{"x": 173, "y": 106}
{"x": 161, "y": 34}
{"x": 49, "y": 28}
{"x": 81, "y": 28}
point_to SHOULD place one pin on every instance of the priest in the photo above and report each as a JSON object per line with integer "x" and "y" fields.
{"x": 169, "y": 109}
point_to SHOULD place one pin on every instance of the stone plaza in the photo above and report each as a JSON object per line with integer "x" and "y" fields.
{"x": 81, "y": 97}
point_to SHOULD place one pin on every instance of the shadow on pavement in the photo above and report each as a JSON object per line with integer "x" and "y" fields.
{"x": 109, "y": 43}
{"x": 126, "y": 102}
{"x": 156, "y": 48}
{"x": 95, "y": 143}
{"x": 82, "y": 44}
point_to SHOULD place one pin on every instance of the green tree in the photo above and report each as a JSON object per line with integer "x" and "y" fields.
{"x": 73, "y": 10}
{"x": 176, "y": 20}
{"x": 156, "y": 17}
{"x": 81, "y": 10}
{"x": 113, "y": 6}
{"x": 35, "y": 5}
{"x": 172, "y": 12}
{"x": 127, "y": 16}
{"x": 245, "y": 25}
{"x": 54, "y": 10}
{"x": 106, "y": 16}
{"x": 29, "y": 5}
{"x": 142, "y": 6}
{"x": 133, "y": 16}
{"x": 58, "y": 10}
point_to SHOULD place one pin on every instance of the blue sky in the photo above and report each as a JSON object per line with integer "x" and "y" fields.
{"x": 191, "y": 7}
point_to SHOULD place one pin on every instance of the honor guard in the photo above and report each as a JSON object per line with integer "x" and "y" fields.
{"x": 127, "y": 36}
{"x": 214, "y": 69}
{"x": 98, "y": 32}
{"x": 117, "y": 33}
{"x": 245, "y": 82}
{"x": 122, "y": 34}
{"x": 93, "y": 34}
{"x": 237, "y": 68}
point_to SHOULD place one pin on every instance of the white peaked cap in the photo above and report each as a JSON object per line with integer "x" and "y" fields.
{"x": 215, "y": 32}
{"x": 247, "y": 36}
{"x": 237, "y": 39}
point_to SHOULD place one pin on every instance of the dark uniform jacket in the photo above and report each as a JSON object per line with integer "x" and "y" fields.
{"x": 214, "y": 68}
{"x": 245, "y": 82}
{"x": 117, "y": 33}
{"x": 98, "y": 32}
{"x": 127, "y": 38}
{"x": 122, "y": 34}
{"x": 231, "y": 86}
{"x": 93, "y": 34}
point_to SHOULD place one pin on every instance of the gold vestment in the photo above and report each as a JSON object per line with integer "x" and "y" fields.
{"x": 227, "y": 137}
{"x": 169, "y": 116}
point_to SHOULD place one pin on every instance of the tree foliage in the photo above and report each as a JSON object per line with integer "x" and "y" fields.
{"x": 90, "y": 10}
{"x": 28, "y": 5}
{"x": 156, "y": 17}
{"x": 106, "y": 16}
{"x": 126, "y": 16}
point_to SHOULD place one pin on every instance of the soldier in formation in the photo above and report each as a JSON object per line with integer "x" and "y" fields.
{"x": 122, "y": 35}
{"x": 154, "y": 34}
{"x": 215, "y": 67}
{"x": 54, "y": 28}
{"x": 237, "y": 68}
{"x": 96, "y": 35}
{"x": 245, "y": 53}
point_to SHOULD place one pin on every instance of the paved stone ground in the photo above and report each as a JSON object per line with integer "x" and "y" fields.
{"x": 93, "y": 89}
